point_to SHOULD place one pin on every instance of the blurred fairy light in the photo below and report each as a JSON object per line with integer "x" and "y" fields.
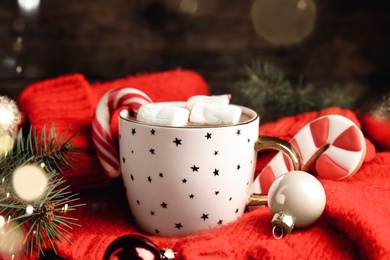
{"x": 29, "y": 182}
{"x": 65, "y": 208}
{"x": 19, "y": 24}
{"x": 29, "y": 5}
{"x": 11, "y": 238}
{"x": 17, "y": 46}
{"x": 302, "y": 4}
{"x": 283, "y": 22}
{"x": 184, "y": 6}
{"x": 29, "y": 209}
{"x": 6, "y": 144}
{"x": 19, "y": 69}
{"x": 189, "y": 6}
{"x": 2, "y": 222}
{"x": 9, "y": 62}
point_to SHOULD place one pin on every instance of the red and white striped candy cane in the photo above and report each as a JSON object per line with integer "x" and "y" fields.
{"x": 101, "y": 133}
{"x": 334, "y": 143}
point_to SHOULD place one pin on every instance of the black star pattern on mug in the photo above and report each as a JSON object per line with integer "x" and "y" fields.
{"x": 191, "y": 196}
{"x": 178, "y": 225}
{"x": 216, "y": 192}
{"x": 184, "y": 180}
{"x": 161, "y": 175}
{"x": 216, "y": 153}
{"x": 152, "y": 151}
{"x": 249, "y": 140}
{"x": 138, "y": 202}
{"x": 123, "y": 159}
{"x": 220, "y": 222}
{"x": 216, "y": 172}
{"x": 133, "y": 132}
{"x": 230, "y": 198}
{"x": 236, "y": 210}
{"x": 153, "y": 132}
{"x": 152, "y": 213}
{"x": 132, "y": 177}
{"x": 177, "y": 141}
{"x": 238, "y": 132}
{"x": 157, "y": 231}
{"x": 205, "y": 216}
{"x": 164, "y": 205}
{"x": 238, "y": 166}
{"x": 149, "y": 179}
{"x": 194, "y": 168}
{"x": 208, "y": 135}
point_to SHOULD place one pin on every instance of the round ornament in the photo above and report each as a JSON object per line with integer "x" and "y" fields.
{"x": 10, "y": 119}
{"x": 376, "y": 122}
{"x": 10, "y": 116}
{"x": 297, "y": 199}
{"x": 135, "y": 246}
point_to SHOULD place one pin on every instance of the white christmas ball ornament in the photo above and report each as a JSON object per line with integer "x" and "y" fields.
{"x": 29, "y": 182}
{"x": 297, "y": 199}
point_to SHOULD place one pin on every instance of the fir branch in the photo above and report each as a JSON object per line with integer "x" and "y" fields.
{"x": 297, "y": 100}
{"x": 261, "y": 82}
{"x": 46, "y": 148}
{"x": 264, "y": 88}
{"x": 42, "y": 220}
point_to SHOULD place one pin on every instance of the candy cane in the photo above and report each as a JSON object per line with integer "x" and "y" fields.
{"x": 101, "y": 133}
{"x": 334, "y": 143}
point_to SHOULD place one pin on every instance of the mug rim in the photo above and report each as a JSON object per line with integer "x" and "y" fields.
{"x": 250, "y": 112}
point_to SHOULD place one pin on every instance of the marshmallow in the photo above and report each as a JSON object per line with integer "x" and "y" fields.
{"x": 215, "y": 114}
{"x": 158, "y": 114}
{"x": 220, "y": 99}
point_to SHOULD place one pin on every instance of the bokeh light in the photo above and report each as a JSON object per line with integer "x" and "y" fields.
{"x": 29, "y": 182}
{"x": 6, "y": 144}
{"x": 11, "y": 238}
{"x": 29, "y": 5}
{"x": 283, "y": 22}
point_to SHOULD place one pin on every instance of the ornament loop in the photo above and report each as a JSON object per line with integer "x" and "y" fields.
{"x": 277, "y": 230}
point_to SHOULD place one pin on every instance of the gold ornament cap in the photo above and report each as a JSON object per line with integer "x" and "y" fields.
{"x": 282, "y": 224}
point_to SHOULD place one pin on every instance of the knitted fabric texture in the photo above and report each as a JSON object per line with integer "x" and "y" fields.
{"x": 71, "y": 100}
{"x": 354, "y": 224}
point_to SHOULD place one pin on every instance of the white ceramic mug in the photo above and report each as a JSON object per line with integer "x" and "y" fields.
{"x": 184, "y": 179}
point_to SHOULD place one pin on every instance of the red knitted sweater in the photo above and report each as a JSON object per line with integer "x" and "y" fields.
{"x": 354, "y": 225}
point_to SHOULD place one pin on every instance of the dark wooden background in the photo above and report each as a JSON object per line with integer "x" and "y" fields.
{"x": 104, "y": 40}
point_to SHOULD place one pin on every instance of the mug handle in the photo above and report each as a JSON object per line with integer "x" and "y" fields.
{"x": 268, "y": 142}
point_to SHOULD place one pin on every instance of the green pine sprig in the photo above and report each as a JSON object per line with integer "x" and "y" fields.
{"x": 265, "y": 88}
{"x": 44, "y": 221}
